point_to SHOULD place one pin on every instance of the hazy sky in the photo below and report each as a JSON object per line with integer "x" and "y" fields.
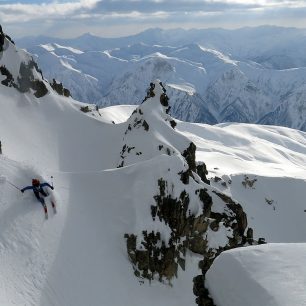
{"x": 113, "y": 18}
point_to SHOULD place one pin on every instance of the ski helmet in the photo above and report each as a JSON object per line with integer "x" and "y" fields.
{"x": 35, "y": 182}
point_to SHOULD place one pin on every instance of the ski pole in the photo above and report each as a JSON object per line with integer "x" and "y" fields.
{"x": 52, "y": 181}
{"x": 13, "y": 185}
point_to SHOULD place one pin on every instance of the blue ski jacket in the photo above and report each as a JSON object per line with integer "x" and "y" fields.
{"x": 37, "y": 188}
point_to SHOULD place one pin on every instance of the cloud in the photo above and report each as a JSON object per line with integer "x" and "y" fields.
{"x": 179, "y": 6}
{"x": 93, "y": 15}
{"x": 21, "y": 12}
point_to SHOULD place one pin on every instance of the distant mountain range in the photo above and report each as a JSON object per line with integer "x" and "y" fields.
{"x": 254, "y": 75}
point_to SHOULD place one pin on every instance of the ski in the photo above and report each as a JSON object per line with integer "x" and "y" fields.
{"x": 54, "y": 207}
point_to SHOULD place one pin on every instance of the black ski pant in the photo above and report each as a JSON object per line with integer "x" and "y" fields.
{"x": 40, "y": 198}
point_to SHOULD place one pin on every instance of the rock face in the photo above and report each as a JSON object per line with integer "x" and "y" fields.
{"x": 184, "y": 203}
{"x": 2, "y": 37}
{"x": 21, "y": 72}
{"x": 27, "y": 81}
{"x": 60, "y": 89}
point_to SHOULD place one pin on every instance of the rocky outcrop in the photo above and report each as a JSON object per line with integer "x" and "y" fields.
{"x": 29, "y": 77}
{"x": 190, "y": 209}
{"x": 138, "y": 122}
{"x": 60, "y": 89}
{"x": 27, "y": 81}
{"x": 2, "y": 37}
{"x": 9, "y": 81}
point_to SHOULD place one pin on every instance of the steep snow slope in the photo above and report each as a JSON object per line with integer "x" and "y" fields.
{"x": 64, "y": 260}
{"x": 271, "y": 275}
{"x": 263, "y": 168}
{"x": 78, "y": 256}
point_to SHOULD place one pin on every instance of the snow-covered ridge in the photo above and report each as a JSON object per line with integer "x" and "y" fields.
{"x": 19, "y": 71}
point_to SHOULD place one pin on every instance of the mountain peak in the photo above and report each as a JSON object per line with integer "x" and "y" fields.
{"x": 150, "y": 117}
{"x": 87, "y": 35}
{"x": 19, "y": 69}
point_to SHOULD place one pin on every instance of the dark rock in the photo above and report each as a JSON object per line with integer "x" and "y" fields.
{"x": 250, "y": 233}
{"x": 173, "y": 123}
{"x": 207, "y": 201}
{"x": 214, "y": 225}
{"x": 237, "y": 209}
{"x": 130, "y": 148}
{"x": 9, "y": 81}
{"x": 261, "y": 241}
{"x": 164, "y": 100}
{"x": 201, "y": 292}
{"x": 150, "y": 92}
{"x": 26, "y": 80}
{"x": 85, "y": 109}
{"x": 197, "y": 244}
{"x": 185, "y": 176}
{"x": 189, "y": 155}
{"x": 40, "y": 88}
{"x": 145, "y": 125}
{"x": 247, "y": 182}
{"x": 60, "y": 89}
{"x": 201, "y": 170}
{"x": 2, "y": 38}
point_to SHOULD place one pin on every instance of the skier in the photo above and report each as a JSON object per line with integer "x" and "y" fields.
{"x": 40, "y": 193}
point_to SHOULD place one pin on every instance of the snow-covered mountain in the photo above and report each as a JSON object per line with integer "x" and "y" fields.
{"x": 145, "y": 202}
{"x": 254, "y": 75}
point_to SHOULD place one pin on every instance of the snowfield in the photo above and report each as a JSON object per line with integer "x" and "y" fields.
{"x": 78, "y": 257}
{"x": 275, "y": 157}
{"x": 270, "y": 275}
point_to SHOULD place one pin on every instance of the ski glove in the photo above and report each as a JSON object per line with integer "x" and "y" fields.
{"x": 52, "y": 188}
{"x": 22, "y": 191}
